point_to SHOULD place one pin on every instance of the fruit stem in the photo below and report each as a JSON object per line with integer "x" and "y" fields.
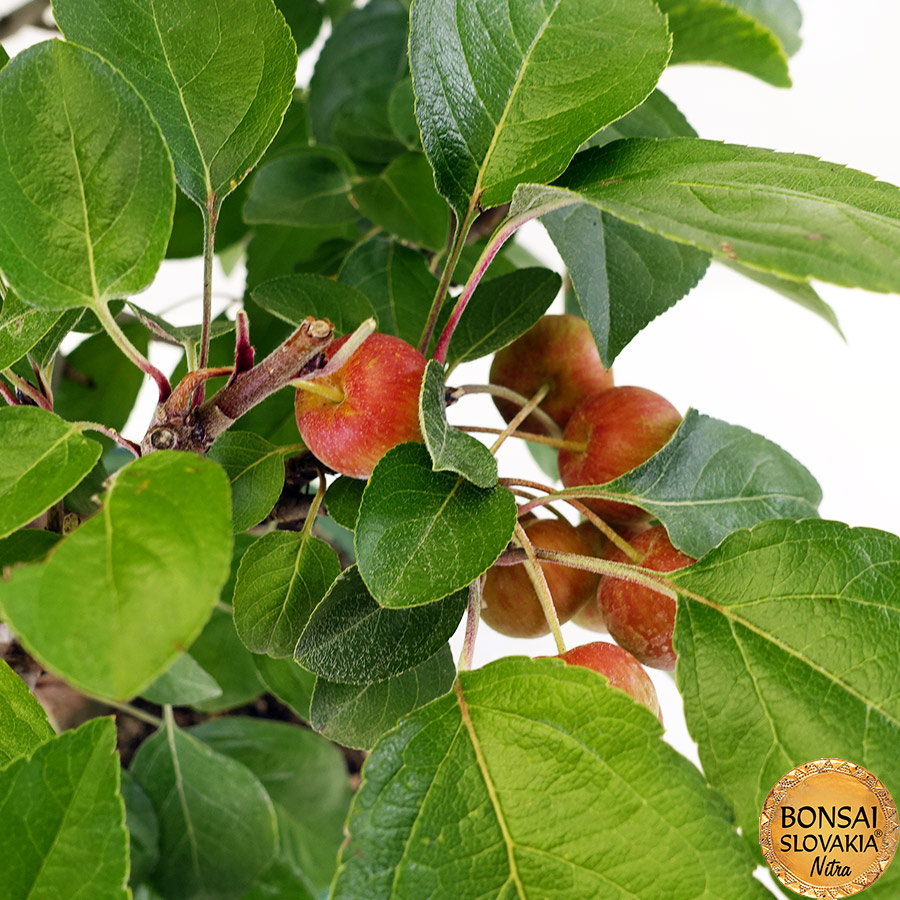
{"x": 521, "y": 416}
{"x": 120, "y": 339}
{"x": 347, "y": 349}
{"x": 574, "y": 446}
{"x": 112, "y": 434}
{"x": 505, "y": 393}
{"x": 473, "y": 616}
{"x": 459, "y": 241}
{"x": 321, "y": 388}
{"x": 313, "y": 510}
{"x": 644, "y": 577}
{"x": 542, "y": 589}
{"x": 610, "y": 533}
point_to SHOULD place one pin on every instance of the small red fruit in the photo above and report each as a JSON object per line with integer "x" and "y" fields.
{"x": 620, "y": 667}
{"x": 559, "y": 351}
{"x": 640, "y": 619}
{"x": 620, "y": 428}
{"x": 351, "y": 418}
{"x": 511, "y": 604}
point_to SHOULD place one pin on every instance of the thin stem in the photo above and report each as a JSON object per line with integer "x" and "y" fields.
{"x": 345, "y": 351}
{"x": 28, "y": 390}
{"x": 459, "y": 241}
{"x": 135, "y": 713}
{"x": 314, "y": 508}
{"x": 210, "y": 219}
{"x": 120, "y": 339}
{"x": 473, "y": 616}
{"x": 495, "y": 242}
{"x": 607, "y": 530}
{"x": 112, "y": 434}
{"x": 635, "y": 574}
{"x": 8, "y": 395}
{"x": 521, "y": 416}
{"x": 225, "y": 607}
{"x": 529, "y": 496}
{"x": 575, "y": 446}
{"x": 496, "y": 390}
{"x": 542, "y": 589}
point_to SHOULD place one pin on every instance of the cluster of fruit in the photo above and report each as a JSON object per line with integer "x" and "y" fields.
{"x": 350, "y": 418}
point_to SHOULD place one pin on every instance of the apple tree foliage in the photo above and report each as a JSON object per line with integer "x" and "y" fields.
{"x": 180, "y": 580}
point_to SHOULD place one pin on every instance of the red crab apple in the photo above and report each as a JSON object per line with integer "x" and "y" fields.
{"x": 620, "y": 667}
{"x": 619, "y": 429}
{"x": 352, "y": 417}
{"x": 511, "y": 604}
{"x": 558, "y": 351}
{"x": 590, "y": 616}
{"x": 640, "y": 619}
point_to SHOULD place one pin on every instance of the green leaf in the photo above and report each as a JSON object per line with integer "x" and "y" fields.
{"x": 86, "y": 182}
{"x": 184, "y": 683}
{"x": 305, "y": 776}
{"x": 186, "y": 240}
{"x": 217, "y": 75}
{"x": 422, "y": 535}
{"x": 753, "y": 36}
{"x": 362, "y": 60}
{"x": 99, "y": 383}
{"x": 623, "y": 276}
{"x": 342, "y": 500}
{"x": 403, "y": 201}
{"x": 255, "y": 469}
{"x": 26, "y": 546}
{"x": 281, "y": 580}
{"x": 353, "y": 640}
{"x": 143, "y": 829}
{"x": 21, "y": 328}
{"x": 134, "y": 584}
{"x": 713, "y": 478}
{"x": 794, "y": 216}
{"x": 217, "y": 828}
{"x": 500, "y": 310}
{"x": 308, "y": 188}
{"x": 23, "y": 722}
{"x": 787, "y": 638}
{"x": 281, "y": 250}
{"x": 290, "y": 683}
{"x": 41, "y": 459}
{"x": 657, "y": 116}
{"x": 281, "y": 881}
{"x": 221, "y": 654}
{"x": 512, "y": 101}
{"x": 450, "y": 449}
{"x": 61, "y": 814}
{"x": 402, "y": 114}
{"x": 357, "y": 715}
{"x": 465, "y": 799}
{"x": 304, "y": 17}
{"x": 800, "y": 292}
{"x": 397, "y": 281}
{"x": 295, "y": 297}
{"x": 182, "y": 334}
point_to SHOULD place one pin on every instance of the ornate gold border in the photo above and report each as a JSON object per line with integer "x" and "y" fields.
{"x": 888, "y": 845}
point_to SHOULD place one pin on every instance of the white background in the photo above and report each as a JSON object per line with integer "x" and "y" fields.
{"x": 732, "y": 349}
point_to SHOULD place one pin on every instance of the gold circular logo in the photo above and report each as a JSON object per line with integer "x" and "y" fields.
{"x": 828, "y": 829}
